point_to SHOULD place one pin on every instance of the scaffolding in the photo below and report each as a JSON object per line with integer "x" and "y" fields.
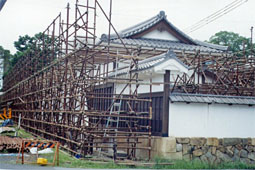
{"x": 59, "y": 88}
{"x": 64, "y": 87}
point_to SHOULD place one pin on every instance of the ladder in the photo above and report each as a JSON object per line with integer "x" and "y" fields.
{"x": 109, "y": 127}
{"x": 116, "y": 106}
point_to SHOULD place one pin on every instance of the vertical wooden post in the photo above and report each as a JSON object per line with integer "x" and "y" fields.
{"x": 19, "y": 154}
{"x": 165, "y": 118}
{"x": 22, "y": 151}
{"x": 57, "y": 153}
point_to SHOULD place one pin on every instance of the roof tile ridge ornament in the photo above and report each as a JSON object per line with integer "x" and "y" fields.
{"x": 162, "y": 14}
{"x": 170, "y": 54}
{"x": 104, "y": 37}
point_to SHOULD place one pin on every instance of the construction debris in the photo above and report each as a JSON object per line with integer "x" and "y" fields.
{"x": 7, "y": 122}
{"x": 34, "y": 150}
{"x": 6, "y": 129}
{"x": 7, "y": 143}
{"x": 13, "y": 154}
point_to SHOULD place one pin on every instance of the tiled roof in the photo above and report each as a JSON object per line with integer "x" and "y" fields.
{"x": 206, "y": 98}
{"x": 2, "y": 2}
{"x": 150, "y": 63}
{"x": 127, "y": 33}
{"x": 165, "y": 44}
{"x": 210, "y": 45}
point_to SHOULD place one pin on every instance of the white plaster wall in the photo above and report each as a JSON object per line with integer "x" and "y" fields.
{"x": 207, "y": 80}
{"x": 214, "y": 120}
{"x": 156, "y": 78}
{"x": 143, "y": 88}
{"x": 163, "y": 35}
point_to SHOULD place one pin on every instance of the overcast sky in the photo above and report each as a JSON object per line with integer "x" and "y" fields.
{"x": 20, "y": 17}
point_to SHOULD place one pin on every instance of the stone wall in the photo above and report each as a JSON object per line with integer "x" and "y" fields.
{"x": 209, "y": 150}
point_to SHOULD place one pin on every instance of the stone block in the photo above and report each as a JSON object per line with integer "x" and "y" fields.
{"x": 243, "y": 153}
{"x": 223, "y": 157}
{"x": 235, "y": 158}
{"x": 197, "y": 141}
{"x": 211, "y": 158}
{"x": 179, "y": 147}
{"x": 253, "y": 141}
{"x": 154, "y": 143}
{"x": 213, "y": 150}
{"x": 236, "y": 152}
{"x": 196, "y": 159}
{"x": 172, "y": 155}
{"x": 229, "y": 151}
{"x": 251, "y": 156}
{"x": 239, "y": 147}
{"x": 182, "y": 140}
{"x": 187, "y": 157}
{"x": 167, "y": 144}
{"x": 197, "y": 153}
{"x": 140, "y": 153}
{"x": 204, "y": 159}
{"x": 186, "y": 149}
{"x": 212, "y": 142}
{"x": 222, "y": 149}
{"x": 249, "y": 141}
{"x": 249, "y": 148}
{"x": 220, "y": 141}
{"x": 204, "y": 149}
{"x": 231, "y": 141}
{"x": 217, "y": 161}
{"x": 162, "y": 146}
{"x": 245, "y": 141}
{"x": 245, "y": 160}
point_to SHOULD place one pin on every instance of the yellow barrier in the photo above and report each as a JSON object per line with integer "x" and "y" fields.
{"x": 39, "y": 144}
{"x": 4, "y": 116}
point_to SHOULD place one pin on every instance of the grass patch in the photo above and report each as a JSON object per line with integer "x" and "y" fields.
{"x": 70, "y": 162}
{"x": 23, "y": 134}
{"x": 65, "y": 160}
{"x": 200, "y": 165}
{"x": 20, "y": 133}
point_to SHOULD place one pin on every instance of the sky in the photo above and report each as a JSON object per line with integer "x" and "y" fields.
{"x": 21, "y": 17}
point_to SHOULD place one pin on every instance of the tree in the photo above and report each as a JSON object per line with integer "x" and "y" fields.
{"x": 6, "y": 56}
{"x": 39, "y": 44}
{"x": 234, "y": 41}
{"x": 23, "y": 43}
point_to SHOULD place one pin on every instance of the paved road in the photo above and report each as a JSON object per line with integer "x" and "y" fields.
{"x": 31, "y": 167}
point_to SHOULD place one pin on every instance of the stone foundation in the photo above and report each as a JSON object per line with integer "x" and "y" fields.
{"x": 209, "y": 150}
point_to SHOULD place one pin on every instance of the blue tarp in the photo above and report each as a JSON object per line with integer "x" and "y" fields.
{"x": 7, "y": 122}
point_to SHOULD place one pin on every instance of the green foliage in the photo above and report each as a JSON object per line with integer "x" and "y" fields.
{"x": 4, "y": 53}
{"x": 24, "y": 43}
{"x": 6, "y": 56}
{"x": 234, "y": 41}
{"x": 39, "y": 46}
